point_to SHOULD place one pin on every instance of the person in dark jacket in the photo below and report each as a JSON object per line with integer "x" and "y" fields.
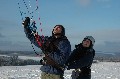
{"x": 81, "y": 59}
{"x": 56, "y": 49}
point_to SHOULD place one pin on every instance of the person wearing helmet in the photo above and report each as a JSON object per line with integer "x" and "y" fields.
{"x": 81, "y": 59}
{"x": 56, "y": 49}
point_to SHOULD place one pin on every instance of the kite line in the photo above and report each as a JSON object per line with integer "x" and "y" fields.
{"x": 26, "y": 9}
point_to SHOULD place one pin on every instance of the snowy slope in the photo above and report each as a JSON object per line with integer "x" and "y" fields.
{"x": 102, "y": 70}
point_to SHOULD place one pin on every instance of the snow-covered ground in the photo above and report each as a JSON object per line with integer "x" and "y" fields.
{"x": 101, "y": 70}
{"x": 30, "y": 57}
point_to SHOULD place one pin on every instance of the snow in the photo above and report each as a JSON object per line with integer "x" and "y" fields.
{"x": 101, "y": 70}
{"x": 106, "y": 70}
{"x": 29, "y": 57}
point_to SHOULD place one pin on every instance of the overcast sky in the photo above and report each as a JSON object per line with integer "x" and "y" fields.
{"x": 98, "y": 18}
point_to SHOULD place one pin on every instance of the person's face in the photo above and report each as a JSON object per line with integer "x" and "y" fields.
{"x": 57, "y": 30}
{"x": 86, "y": 43}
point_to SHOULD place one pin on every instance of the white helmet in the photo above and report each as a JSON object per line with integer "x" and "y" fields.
{"x": 91, "y": 39}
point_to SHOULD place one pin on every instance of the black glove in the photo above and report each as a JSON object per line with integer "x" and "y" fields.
{"x": 26, "y": 22}
{"x": 26, "y": 25}
{"x": 43, "y": 61}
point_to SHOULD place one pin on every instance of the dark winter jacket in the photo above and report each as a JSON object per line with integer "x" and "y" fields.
{"x": 81, "y": 58}
{"x": 57, "y": 49}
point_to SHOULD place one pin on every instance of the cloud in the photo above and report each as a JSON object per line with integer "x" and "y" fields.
{"x": 1, "y": 36}
{"x": 17, "y": 46}
{"x": 105, "y": 3}
{"x": 87, "y": 3}
{"x": 106, "y": 40}
{"x": 4, "y": 43}
{"x": 84, "y": 3}
{"x": 109, "y": 47}
{"x": 102, "y": 35}
{"x": 6, "y": 23}
{"x": 103, "y": 0}
{"x": 107, "y": 35}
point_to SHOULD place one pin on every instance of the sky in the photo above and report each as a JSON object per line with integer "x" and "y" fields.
{"x": 97, "y": 18}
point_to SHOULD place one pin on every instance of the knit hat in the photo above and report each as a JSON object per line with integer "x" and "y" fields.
{"x": 91, "y": 39}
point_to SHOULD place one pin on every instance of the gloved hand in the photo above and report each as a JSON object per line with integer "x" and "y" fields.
{"x": 26, "y": 22}
{"x": 49, "y": 60}
{"x": 43, "y": 61}
{"x": 26, "y": 25}
{"x": 53, "y": 63}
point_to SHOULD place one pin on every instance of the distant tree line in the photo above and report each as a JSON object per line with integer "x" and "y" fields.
{"x": 107, "y": 59}
{"x": 15, "y": 61}
{"x": 11, "y": 58}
